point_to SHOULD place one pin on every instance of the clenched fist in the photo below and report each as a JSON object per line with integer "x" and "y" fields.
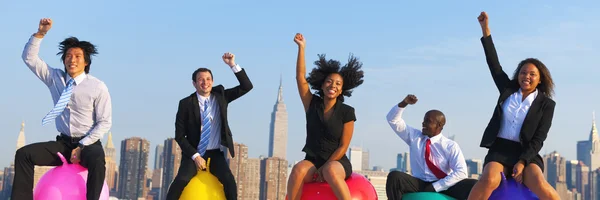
{"x": 408, "y": 100}
{"x": 483, "y": 22}
{"x": 229, "y": 59}
{"x": 299, "y": 39}
{"x": 44, "y": 26}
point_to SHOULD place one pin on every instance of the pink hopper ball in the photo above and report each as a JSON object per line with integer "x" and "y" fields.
{"x": 65, "y": 182}
{"x": 360, "y": 189}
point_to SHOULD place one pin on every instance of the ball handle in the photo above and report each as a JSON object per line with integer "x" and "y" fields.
{"x": 62, "y": 158}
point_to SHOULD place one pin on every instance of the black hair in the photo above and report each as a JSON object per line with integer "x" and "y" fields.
{"x": 72, "y": 42}
{"x": 202, "y": 69}
{"x": 351, "y": 74}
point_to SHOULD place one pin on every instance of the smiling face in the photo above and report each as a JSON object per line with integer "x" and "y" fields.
{"x": 332, "y": 87}
{"x": 203, "y": 83}
{"x": 433, "y": 123}
{"x": 75, "y": 61}
{"x": 529, "y": 77}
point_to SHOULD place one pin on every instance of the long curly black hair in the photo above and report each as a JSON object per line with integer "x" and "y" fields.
{"x": 72, "y": 42}
{"x": 351, "y": 74}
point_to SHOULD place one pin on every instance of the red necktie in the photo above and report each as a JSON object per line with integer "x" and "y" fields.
{"x": 436, "y": 171}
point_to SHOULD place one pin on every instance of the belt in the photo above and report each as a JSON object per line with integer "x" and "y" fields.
{"x": 70, "y": 139}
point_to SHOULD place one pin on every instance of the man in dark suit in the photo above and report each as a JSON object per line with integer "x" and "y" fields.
{"x": 202, "y": 130}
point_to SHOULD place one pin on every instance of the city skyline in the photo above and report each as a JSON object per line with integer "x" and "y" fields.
{"x": 571, "y": 182}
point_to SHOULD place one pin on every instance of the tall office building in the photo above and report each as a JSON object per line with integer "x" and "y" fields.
{"x": 170, "y": 167}
{"x": 355, "y": 156}
{"x": 279, "y": 127}
{"x": 110, "y": 157}
{"x": 273, "y": 171}
{"x": 133, "y": 168}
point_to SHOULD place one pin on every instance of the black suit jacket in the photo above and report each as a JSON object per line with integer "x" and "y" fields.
{"x": 187, "y": 121}
{"x": 537, "y": 121}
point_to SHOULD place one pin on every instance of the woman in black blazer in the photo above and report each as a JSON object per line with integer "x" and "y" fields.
{"x": 519, "y": 125}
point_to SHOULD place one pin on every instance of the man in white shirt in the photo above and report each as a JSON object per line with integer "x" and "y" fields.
{"x": 82, "y": 114}
{"x": 437, "y": 163}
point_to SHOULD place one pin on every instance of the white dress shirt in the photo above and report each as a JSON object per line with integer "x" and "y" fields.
{"x": 445, "y": 153}
{"x": 89, "y": 111}
{"x": 214, "y": 140}
{"x": 515, "y": 110}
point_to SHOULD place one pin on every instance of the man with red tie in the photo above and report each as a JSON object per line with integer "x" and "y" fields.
{"x": 437, "y": 163}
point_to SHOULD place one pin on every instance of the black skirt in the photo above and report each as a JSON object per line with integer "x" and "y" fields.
{"x": 507, "y": 153}
{"x": 319, "y": 162}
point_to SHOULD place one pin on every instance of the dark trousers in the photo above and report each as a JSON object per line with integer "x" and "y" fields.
{"x": 45, "y": 154}
{"x": 399, "y": 183}
{"x": 218, "y": 167}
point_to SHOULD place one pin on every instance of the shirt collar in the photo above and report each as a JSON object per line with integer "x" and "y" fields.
{"x": 436, "y": 138}
{"x": 78, "y": 79}
{"x": 201, "y": 98}
{"x": 530, "y": 97}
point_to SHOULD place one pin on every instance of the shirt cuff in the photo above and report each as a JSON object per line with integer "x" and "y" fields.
{"x": 195, "y": 155}
{"x": 85, "y": 141}
{"x": 437, "y": 186}
{"x": 34, "y": 40}
{"x": 236, "y": 68}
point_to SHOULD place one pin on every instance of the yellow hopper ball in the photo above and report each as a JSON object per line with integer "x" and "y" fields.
{"x": 203, "y": 186}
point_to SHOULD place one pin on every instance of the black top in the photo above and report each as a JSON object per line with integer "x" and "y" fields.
{"x": 538, "y": 120}
{"x": 323, "y": 137}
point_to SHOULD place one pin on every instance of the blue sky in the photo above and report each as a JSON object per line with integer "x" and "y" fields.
{"x": 148, "y": 50}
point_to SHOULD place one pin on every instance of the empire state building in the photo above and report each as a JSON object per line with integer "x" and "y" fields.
{"x": 279, "y": 127}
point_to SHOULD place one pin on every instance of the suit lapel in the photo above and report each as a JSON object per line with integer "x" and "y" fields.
{"x": 196, "y": 108}
{"x": 218, "y": 92}
{"x": 535, "y": 106}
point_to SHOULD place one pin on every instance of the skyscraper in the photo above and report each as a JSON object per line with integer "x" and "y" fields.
{"x": 365, "y": 161}
{"x": 355, "y": 156}
{"x": 279, "y": 127}
{"x": 555, "y": 173}
{"x": 110, "y": 156}
{"x": 475, "y": 167}
{"x": 583, "y": 186}
{"x": 273, "y": 171}
{"x": 9, "y": 172}
{"x": 158, "y": 157}
{"x": 21, "y": 137}
{"x": 133, "y": 167}
{"x": 251, "y": 188}
{"x": 237, "y": 165}
{"x": 571, "y": 174}
{"x": 588, "y": 151}
{"x": 170, "y": 166}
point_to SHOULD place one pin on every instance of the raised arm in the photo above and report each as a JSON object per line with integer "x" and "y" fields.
{"x": 303, "y": 87}
{"x": 500, "y": 78}
{"x": 459, "y": 169}
{"x": 245, "y": 84}
{"x": 394, "y": 118}
{"x": 31, "y": 50}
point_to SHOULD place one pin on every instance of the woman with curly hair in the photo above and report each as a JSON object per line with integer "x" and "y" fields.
{"x": 329, "y": 122}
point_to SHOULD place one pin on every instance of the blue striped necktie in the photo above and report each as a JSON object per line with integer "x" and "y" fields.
{"x": 61, "y": 104}
{"x": 205, "y": 135}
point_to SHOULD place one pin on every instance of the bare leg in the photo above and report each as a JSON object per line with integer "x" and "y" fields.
{"x": 488, "y": 182}
{"x": 533, "y": 178}
{"x": 335, "y": 175}
{"x": 301, "y": 173}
